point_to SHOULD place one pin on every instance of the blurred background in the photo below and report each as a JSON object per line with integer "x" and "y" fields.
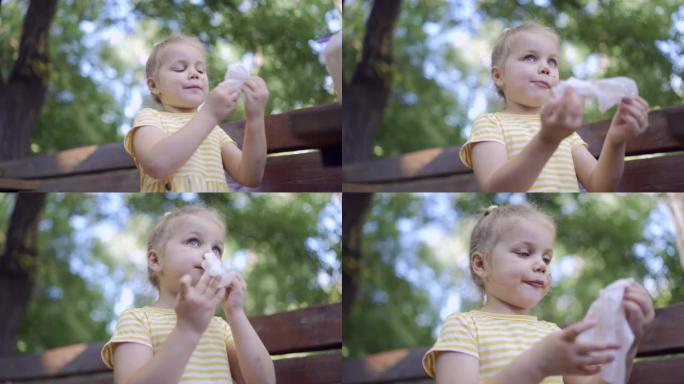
{"x": 405, "y": 258}
{"x": 67, "y": 278}
{"x": 436, "y": 68}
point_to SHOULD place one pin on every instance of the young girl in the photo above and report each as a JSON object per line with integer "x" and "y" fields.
{"x": 511, "y": 248}
{"x": 178, "y": 338}
{"x": 530, "y": 148}
{"x": 180, "y": 149}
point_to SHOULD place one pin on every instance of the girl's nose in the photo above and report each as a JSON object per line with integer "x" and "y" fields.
{"x": 539, "y": 266}
{"x": 544, "y": 69}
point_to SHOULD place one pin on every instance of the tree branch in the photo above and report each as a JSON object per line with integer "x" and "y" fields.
{"x": 32, "y": 62}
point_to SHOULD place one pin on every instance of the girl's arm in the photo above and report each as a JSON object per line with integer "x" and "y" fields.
{"x": 456, "y": 368}
{"x": 494, "y": 172}
{"x": 135, "y": 363}
{"x": 630, "y": 120}
{"x": 160, "y": 156}
{"x": 254, "y": 362}
{"x": 247, "y": 166}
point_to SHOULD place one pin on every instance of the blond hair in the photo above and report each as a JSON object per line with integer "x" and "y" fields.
{"x": 162, "y": 231}
{"x": 488, "y": 228}
{"x": 153, "y": 61}
{"x": 504, "y": 41}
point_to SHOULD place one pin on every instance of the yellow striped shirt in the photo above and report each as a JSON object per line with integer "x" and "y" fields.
{"x": 151, "y": 326}
{"x": 492, "y": 338}
{"x": 203, "y": 172}
{"x": 515, "y": 131}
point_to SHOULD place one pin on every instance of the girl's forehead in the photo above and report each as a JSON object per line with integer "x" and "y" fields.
{"x": 198, "y": 222}
{"x": 182, "y": 51}
{"x": 528, "y": 226}
{"x": 538, "y": 41}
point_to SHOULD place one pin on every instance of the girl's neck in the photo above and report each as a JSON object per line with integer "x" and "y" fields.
{"x": 519, "y": 109}
{"x": 167, "y": 299}
{"x": 169, "y": 108}
{"x": 494, "y": 305}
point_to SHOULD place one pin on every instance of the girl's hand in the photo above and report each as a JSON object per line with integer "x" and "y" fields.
{"x": 639, "y": 310}
{"x": 561, "y": 116}
{"x": 561, "y": 354}
{"x": 234, "y": 298}
{"x": 222, "y": 101}
{"x": 195, "y": 306}
{"x": 256, "y": 97}
{"x": 630, "y": 120}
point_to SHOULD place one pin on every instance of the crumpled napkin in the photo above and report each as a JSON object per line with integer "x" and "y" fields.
{"x": 213, "y": 266}
{"x": 331, "y": 56}
{"x": 612, "y": 326}
{"x": 236, "y": 74}
{"x": 607, "y": 92}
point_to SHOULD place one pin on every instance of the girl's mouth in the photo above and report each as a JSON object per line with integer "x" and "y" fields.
{"x": 535, "y": 284}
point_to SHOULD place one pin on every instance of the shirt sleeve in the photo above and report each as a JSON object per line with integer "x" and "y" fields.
{"x": 131, "y": 328}
{"x": 147, "y": 116}
{"x": 577, "y": 141}
{"x": 457, "y": 335}
{"x": 485, "y": 128}
{"x": 224, "y": 137}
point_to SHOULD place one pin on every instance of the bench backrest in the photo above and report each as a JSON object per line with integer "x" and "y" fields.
{"x": 439, "y": 169}
{"x": 314, "y": 330}
{"x": 664, "y": 338}
{"x": 304, "y": 149}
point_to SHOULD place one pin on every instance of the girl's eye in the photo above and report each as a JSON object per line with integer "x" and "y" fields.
{"x": 531, "y": 58}
{"x": 218, "y": 250}
{"x": 553, "y": 62}
{"x": 522, "y": 253}
{"x": 194, "y": 242}
{"x": 547, "y": 260}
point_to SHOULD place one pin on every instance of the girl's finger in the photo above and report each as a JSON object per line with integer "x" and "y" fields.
{"x": 596, "y": 358}
{"x": 184, "y": 286}
{"x": 218, "y": 296}
{"x": 202, "y": 283}
{"x": 587, "y": 348}
{"x": 570, "y": 333}
{"x": 589, "y": 369}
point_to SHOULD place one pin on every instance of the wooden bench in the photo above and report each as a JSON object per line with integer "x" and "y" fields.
{"x": 660, "y": 347}
{"x": 440, "y": 169}
{"x": 314, "y": 330}
{"x": 304, "y": 149}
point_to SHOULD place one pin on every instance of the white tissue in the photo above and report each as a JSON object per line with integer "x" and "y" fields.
{"x": 236, "y": 74}
{"x": 612, "y": 326}
{"x": 607, "y": 92}
{"x": 213, "y": 266}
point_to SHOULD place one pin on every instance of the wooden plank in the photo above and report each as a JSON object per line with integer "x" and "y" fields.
{"x": 309, "y": 329}
{"x": 665, "y": 134}
{"x": 385, "y": 367}
{"x": 308, "y": 128}
{"x": 301, "y": 172}
{"x": 666, "y": 336}
{"x": 68, "y": 360}
{"x": 316, "y": 369}
{"x": 14, "y": 185}
{"x": 662, "y": 371}
{"x": 314, "y": 127}
{"x": 457, "y": 183}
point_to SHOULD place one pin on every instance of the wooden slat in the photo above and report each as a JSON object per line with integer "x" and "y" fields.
{"x": 663, "y": 371}
{"x": 385, "y": 367}
{"x": 308, "y": 128}
{"x": 18, "y": 185}
{"x": 309, "y": 329}
{"x": 657, "y": 174}
{"x": 302, "y": 172}
{"x": 666, "y": 336}
{"x": 318, "y": 369}
{"x": 665, "y": 134}
{"x": 458, "y": 183}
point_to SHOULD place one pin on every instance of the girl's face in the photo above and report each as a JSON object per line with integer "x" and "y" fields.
{"x": 181, "y": 82}
{"x": 528, "y": 72}
{"x": 192, "y": 236}
{"x": 517, "y": 275}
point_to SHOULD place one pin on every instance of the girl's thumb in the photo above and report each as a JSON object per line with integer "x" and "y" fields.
{"x": 185, "y": 285}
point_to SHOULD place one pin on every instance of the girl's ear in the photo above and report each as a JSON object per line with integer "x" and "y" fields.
{"x": 497, "y": 76}
{"x": 154, "y": 261}
{"x": 152, "y": 86}
{"x": 479, "y": 265}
